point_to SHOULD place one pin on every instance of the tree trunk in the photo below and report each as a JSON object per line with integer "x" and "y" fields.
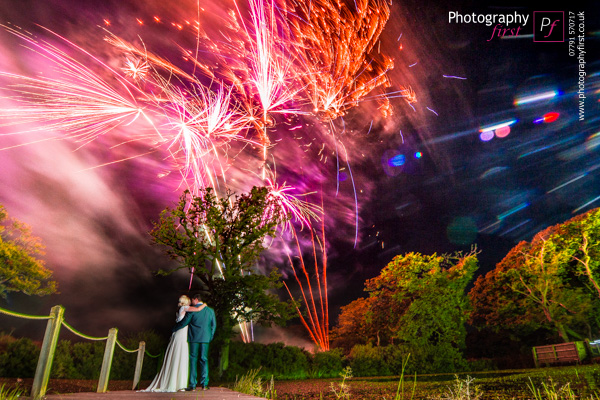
{"x": 224, "y": 357}
{"x": 562, "y": 332}
{"x": 222, "y": 341}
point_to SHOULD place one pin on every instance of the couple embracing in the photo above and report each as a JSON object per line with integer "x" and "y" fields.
{"x": 193, "y": 332}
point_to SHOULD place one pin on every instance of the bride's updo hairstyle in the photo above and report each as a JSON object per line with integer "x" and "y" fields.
{"x": 184, "y": 301}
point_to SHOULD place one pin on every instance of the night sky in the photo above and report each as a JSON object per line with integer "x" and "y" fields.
{"x": 427, "y": 178}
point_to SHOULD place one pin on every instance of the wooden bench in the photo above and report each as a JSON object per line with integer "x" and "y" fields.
{"x": 559, "y": 353}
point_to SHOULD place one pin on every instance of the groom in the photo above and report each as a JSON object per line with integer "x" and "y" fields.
{"x": 201, "y": 330}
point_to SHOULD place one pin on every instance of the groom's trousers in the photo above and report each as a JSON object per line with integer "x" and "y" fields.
{"x": 198, "y": 352}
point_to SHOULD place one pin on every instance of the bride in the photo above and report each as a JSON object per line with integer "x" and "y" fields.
{"x": 174, "y": 372}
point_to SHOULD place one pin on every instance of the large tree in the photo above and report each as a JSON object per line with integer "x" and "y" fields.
{"x": 220, "y": 241}
{"x": 419, "y": 302}
{"x": 579, "y": 239}
{"x": 548, "y": 284}
{"x": 21, "y": 268}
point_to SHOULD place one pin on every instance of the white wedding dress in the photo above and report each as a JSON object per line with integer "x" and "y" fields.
{"x": 174, "y": 372}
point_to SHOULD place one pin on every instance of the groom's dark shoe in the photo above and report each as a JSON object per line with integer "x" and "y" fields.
{"x": 190, "y": 389}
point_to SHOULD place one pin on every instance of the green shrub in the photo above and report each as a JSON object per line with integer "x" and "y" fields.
{"x": 281, "y": 361}
{"x": 366, "y": 360}
{"x": 327, "y": 364}
{"x": 284, "y": 362}
{"x": 20, "y": 359}
{"x": 63, "y": 366}
{"x": 124, "y": 363}
{"x": 87, "y": 357}
{"x": 438, "y": 358}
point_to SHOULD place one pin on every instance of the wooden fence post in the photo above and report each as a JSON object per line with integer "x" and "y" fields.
{"x": 107, "y": 360}
{"x": 138, "y": 364}
{"x": 42, "y": 372}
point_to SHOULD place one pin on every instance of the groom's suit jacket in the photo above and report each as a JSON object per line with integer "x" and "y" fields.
{"x": 201, "y": 325}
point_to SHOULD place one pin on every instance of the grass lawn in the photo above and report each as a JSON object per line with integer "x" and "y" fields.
{"x": 582, "y": 381}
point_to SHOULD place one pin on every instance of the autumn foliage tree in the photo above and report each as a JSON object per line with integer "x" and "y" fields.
{"x": 21, "y": 268}
{"x": 354, "y": 325}
{"x": 548, "y": 284}
{"x": 417, "y": 302}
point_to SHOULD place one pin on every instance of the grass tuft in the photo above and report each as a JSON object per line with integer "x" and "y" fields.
{"x": 463, "y": 389}
{"x": 552, "y": 391}
{"x": 342, "y": 390}
{"x": 9, "y": 394}
{"x": 252, "y": 384}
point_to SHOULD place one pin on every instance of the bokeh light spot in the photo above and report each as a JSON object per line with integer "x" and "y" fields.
{"x": 397, "y": 161}
{"x": 592, "y": 142}
{"x": 390, "y": 161}
{"x": 486, "y": 136}
{"x": 462, "y": 231}
{"x": 536, "y": 97}
{"x": 418, "y": 154}
{"x": 503, "y": 131}
{"x": 551, "y": 117}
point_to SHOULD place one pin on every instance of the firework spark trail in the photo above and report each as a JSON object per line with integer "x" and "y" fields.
{"x": 319, "y": 322}
{"x": 249, "y": 63}
{"x": 78, "y": 102}
{"x": 202, "y": 121}
{"x": 266, "y": 66}
{"x": 290, "y": 206}
{"x": 84, "y": 105}
{"x": 336, "y": 49}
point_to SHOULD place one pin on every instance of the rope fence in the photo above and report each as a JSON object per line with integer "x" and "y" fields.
{"x": 55, "y": 321}
{"x": 25, "y": 316}
{"x": 125, "y": 349}
{"x": 76, "y": 332}
{"x": 151, "y": 356}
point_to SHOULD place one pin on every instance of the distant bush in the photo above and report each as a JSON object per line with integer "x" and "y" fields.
{"x": 327, "y": 364}
{"x": 83, "y": 360}
{"x": 123, "y": 367}
{"x": 19, "y": 360}
{"x": 80, "y": 360}
{"x": 63, "y": 366}
{"x": 273, "y": 359}
{"x": 369, "y": 360}
{"x": 439, "y": 358}
{"x": 482, "y": 364}
{"x": 280, "y": 361}
{"x": 366, "y": 360}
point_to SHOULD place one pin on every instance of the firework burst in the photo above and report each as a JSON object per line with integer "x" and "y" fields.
{"x": 272, "y": 58}
{"x": 335, "y": 45}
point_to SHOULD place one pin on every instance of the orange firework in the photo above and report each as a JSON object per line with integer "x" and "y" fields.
{"x": 317, "y": 324}
{"x": 335, "y": 42}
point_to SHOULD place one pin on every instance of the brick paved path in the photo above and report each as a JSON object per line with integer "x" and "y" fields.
{"x": 214, "y": 393}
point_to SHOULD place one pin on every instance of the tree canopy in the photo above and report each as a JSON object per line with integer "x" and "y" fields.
{"x": 21, "y": 268}
{"x": 417, "y": 301}
{"x": 550, "y": 283}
